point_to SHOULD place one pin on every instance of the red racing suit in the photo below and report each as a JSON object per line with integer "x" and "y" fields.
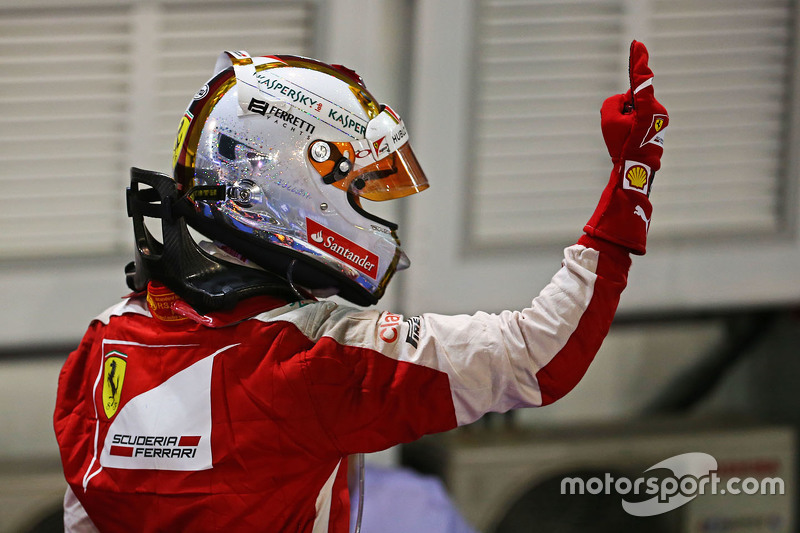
{"x": 242, "y": 421}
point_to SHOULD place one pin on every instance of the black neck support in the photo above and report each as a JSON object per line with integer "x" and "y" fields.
{"x": 205, "y": 282}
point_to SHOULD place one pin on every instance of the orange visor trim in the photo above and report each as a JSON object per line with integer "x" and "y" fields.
{"x": 394, "y": 176}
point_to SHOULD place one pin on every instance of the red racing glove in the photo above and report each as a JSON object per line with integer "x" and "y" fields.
{"x": 633, "y": 127}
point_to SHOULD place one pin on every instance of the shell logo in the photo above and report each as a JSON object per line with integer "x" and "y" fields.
{"x": 637, "y": 177}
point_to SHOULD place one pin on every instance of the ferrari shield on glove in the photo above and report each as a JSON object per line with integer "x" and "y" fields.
{"x": 633, "y": 127}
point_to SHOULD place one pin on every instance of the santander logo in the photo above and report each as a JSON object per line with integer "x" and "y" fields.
{"x": 351, "y": 253}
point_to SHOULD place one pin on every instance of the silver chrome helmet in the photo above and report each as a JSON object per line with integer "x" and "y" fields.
{"x": 297, "y": 144}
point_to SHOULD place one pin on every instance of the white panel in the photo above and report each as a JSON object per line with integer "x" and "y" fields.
{"x": 722, "y": 69}
{"x": 541, "y": 67}
{"x": 542, "y": 70}
{"x": 62, "y": 118}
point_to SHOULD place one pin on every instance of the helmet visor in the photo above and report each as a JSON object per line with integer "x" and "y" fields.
{"x": 381, "y": 166}
{"x": 396, "y": 175}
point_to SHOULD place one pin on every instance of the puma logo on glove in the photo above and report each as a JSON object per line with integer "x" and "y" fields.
{"x": 638, "y": 211}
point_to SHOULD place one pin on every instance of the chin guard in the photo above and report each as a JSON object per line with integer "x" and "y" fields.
{"x": 205, "y": 282}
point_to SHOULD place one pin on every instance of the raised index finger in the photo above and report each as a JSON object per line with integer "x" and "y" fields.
{"x": 640, "y": 74}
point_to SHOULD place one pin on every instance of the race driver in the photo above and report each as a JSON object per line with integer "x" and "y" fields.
{"x": 222, "y": 395}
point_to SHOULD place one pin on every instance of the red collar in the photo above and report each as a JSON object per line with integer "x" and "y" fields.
{"x": 169, "y": 308}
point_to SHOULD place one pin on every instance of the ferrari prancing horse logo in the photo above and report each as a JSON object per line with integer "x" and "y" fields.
{"x": 658, "y": 124}
{"x": 113, "y": 376}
